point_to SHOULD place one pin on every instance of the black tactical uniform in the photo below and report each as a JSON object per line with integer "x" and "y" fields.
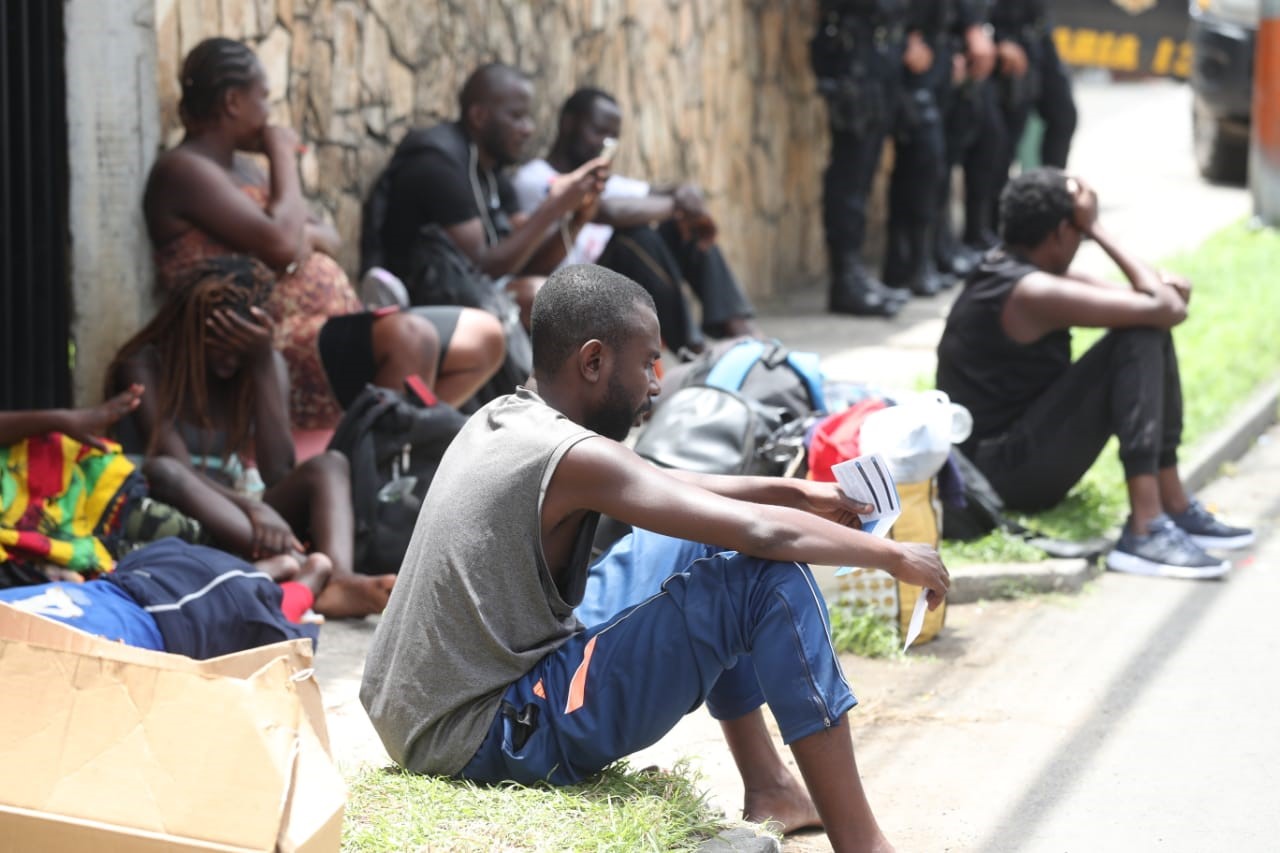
{"x": 1045, "y": 87}
{"x": 974, "y": 132}
{"x": 920, "y": 155}
{"x": 857, "y": 57}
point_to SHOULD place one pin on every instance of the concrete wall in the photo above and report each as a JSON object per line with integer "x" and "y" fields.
{"x": 112, "y": 134}
{"x": 715, "y": 90}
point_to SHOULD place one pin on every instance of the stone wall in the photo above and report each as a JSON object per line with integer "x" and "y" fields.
{"x": 715, "y": 90}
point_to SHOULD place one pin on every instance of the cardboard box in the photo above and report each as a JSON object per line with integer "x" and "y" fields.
{"x": 106, "y": 747}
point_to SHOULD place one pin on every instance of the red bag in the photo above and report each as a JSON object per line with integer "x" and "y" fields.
{"x": 835, "y": 439}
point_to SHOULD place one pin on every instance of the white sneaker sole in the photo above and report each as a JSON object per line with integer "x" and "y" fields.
{"x": 1119, "y": 561}
{"x": 1225, "y": 543}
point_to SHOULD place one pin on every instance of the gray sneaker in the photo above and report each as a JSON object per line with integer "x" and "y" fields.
{"x": 1207, "y": 531}
{"x": 1166, "y": 551}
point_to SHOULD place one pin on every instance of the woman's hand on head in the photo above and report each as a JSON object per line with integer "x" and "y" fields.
{"x": 251, "y": 338}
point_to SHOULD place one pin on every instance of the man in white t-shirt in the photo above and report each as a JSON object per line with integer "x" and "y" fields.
{"x": 658, "y": 236}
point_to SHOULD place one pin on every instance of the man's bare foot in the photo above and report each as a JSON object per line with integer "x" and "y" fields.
{"x": 315, "y": 572}
{"x": 787, "y": 806}
{"x": 281, "y": 567}
{"x": 349, "y": 596}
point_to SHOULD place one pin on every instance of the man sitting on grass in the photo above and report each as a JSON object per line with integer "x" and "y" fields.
{"x": 1039, "y": 420}
{"x": 479, "y": 668}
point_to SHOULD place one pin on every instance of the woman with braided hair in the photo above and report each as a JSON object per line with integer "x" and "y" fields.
{"x": 218, "y": 391}
{"x": 205, "y": 199}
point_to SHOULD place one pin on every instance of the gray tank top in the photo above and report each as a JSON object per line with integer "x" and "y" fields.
{"x": 474, "y": 607}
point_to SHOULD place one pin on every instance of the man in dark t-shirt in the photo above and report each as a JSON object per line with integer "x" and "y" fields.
{"x": 451, "y": 176}
{"x": 1039, "y": 420}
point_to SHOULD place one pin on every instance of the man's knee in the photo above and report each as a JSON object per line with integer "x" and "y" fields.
{"x": 1141, "y": 340}
{"x": 404, "y": 332}
{"x": 482, "y": 334}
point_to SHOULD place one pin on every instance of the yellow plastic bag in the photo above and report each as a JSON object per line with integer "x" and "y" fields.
{"x": 921, "y": 521}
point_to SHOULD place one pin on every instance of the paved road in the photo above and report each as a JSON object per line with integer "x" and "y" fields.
{"x": 1137, "y": 716}
{"x": 1124, "y": 719}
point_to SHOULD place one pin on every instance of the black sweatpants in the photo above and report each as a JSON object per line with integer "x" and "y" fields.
{"x": 1126, "y": 385}
{"x": 659, "y": 260}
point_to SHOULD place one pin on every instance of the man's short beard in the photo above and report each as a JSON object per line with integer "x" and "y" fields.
{"x": 615, "y": 417}
{"x": 491, "y": 142}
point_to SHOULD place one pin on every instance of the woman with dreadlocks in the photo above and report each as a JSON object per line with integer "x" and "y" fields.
{"x": 217, "y": 391}
{"x": 204, "y": 199}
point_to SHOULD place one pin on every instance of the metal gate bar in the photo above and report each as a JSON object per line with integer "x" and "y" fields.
{"x": 34, "y": 308}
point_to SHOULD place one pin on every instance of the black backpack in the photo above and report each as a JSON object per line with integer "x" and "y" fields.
{"x": 714, "y": 430}
{"x": 761, "y": 370}
{"x": 394, "y": 443}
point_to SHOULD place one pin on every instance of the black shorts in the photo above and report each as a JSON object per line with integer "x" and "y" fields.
{"x": 346, "y": 347}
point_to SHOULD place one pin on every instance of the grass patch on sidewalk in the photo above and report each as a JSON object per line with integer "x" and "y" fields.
{"x": 1227, "y": 347}
{"x": 861, "y": 632}
{"x": 619, "y": 810}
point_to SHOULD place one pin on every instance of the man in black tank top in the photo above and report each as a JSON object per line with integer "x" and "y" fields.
{"x": 1040, "y": 421}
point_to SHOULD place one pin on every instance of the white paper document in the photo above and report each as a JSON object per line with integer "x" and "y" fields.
{"x": 868, "y": 480}
{"x": 917, "y": 619}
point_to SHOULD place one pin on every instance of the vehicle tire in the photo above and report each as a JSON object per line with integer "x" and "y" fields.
{"x": 1221, "y": 157}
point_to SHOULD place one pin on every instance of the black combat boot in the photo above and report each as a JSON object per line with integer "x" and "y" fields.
{"x": 854, "y": 291}
{"x": 951, "y": 256}
{"x": 909, "y": 262}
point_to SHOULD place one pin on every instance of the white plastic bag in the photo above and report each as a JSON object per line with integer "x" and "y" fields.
{"x": 916, "y": 435}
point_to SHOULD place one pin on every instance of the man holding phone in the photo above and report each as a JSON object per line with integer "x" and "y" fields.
{"x": 656, "y": 235}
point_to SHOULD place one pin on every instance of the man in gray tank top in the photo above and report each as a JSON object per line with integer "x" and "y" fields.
{"x": 479, "y": 668}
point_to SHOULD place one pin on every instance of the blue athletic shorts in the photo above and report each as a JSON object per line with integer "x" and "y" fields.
{"x": 623, "y": 683}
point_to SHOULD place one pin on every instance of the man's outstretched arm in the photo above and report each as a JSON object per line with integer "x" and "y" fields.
{"x": 84, "y": 425}
{"x": 602, "y": 475}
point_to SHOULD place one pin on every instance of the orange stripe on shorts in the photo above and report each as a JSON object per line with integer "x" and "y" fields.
{"x": 578, "y": 686}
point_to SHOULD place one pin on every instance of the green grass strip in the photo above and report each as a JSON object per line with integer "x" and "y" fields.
{"x": 1227, "y": 347}
{"x": 618, "y": 810}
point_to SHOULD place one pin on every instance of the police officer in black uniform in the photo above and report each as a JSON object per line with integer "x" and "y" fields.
{"x": 1031, "y": 76}
{"x": 973, "y": 130}
{"x": 857, "y": 55}
{"x": 948, "y": 30}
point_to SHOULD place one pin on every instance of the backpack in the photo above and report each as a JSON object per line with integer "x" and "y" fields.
{"x": 714, "y": 430}
{"x": 394, "y": 443}
{"x": 764, "y": 371}
{"x": 982, "y": 510}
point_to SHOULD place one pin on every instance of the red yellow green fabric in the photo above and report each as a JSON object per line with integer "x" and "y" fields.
{"x": 61, "y": 501}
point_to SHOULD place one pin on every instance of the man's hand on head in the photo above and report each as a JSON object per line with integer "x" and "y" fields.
{"x": 1085, "y": 214}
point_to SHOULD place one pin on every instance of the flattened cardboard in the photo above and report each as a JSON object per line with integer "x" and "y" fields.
{"x": 108, "y": 747}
